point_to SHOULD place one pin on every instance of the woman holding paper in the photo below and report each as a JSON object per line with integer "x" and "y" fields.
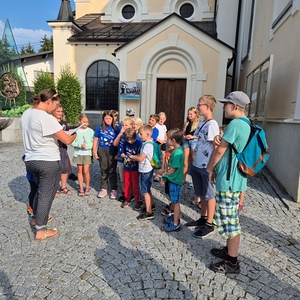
{"x": 40, "y": 131}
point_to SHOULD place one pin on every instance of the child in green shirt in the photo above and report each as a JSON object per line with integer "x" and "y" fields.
{"x": 173, "y": 178}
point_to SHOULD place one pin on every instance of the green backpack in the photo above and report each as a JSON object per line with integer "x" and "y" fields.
{"x": 156, "y": 161}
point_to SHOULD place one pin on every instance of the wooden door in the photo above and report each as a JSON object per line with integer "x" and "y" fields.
{"x": 170, "y": 98}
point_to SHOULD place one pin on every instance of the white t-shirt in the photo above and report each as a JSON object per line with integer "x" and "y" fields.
{"x": 145, "y": 165}
{"x": 204, "y": 147}
{"x": 162, "y": 129}
{"x": 38, "y": 128}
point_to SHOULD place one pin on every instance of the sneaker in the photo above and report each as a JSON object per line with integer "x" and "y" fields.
{"x": 102, "y": 193}
{"x": 125, "y": 204}
{"x": 225, "y": 267}
{"x": 30, "y": 211}
{"x": 132, "y": 198}
{"x": 200, "y": 222}
{"x": 190, "y": 186}
{"x": 167, "y": 211}
{"x": 121, "y": 198}
{"x": 113, "y": 194}
{"x": 138, "y": 206}
{"x": 146, "y": 216}
{"x": 171, "y": 227}
{"x": 204, "y": 232}
{"x": 144, "y": 208}
{"x": 72, "y": 176}
{"x": 168, "y": 220}
{"x": 219, "y": 252}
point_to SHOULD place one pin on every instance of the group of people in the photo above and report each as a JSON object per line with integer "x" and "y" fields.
{"x": 128, "y": 148}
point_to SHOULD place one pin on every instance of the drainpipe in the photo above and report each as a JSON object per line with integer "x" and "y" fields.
{"x": 235, "y": 56}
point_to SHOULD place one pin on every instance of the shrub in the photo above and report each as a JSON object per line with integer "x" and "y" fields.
{"x": 69, "y": 89}
{"x": 44, "y": 80}
{"x": 16, "y": 111}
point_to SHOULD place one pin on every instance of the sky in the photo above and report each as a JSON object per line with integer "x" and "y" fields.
{"x": 28, "y": 18}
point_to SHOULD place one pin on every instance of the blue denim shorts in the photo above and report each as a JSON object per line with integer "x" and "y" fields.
{"x": 146, "y": 182}
{"x": 189, "y": 144}
{"x": 174, "y": 192}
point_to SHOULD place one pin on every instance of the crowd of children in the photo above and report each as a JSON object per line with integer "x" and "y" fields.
{"x": 197, "y": 149}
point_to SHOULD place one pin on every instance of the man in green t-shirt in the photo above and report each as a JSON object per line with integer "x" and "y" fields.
{"x": 228, "y": 190}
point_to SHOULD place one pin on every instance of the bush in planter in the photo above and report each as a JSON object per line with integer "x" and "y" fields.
{"x": 69, "y": 90}
{"x": 16, "y": 111}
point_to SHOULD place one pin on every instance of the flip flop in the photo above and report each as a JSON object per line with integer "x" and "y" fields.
{"x": 45, "y": 234}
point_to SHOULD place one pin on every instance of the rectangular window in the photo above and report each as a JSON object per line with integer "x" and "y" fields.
{"x": 258, "y": 88}
{"x": 281, "y": 7}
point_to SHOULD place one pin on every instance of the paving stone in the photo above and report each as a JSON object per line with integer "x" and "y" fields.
{"x": 104, "y": 252}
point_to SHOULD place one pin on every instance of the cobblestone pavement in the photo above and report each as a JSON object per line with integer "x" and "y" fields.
{"x": 104, "y": 252}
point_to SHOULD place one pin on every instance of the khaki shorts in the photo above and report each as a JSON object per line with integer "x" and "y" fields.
{"x": 83, "y": 160}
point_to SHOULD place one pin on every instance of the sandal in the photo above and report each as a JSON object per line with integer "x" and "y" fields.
{"x": 57, "y": 195}
{"x": 80, "y": 193}
{"x": 45, "y": 234}
{"x": 65, "y": 191}
{"x": 196, "y": 201}
{"x": 87, "y": 191}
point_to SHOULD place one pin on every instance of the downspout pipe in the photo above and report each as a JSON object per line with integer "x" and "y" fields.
{"x": 237, "y": 32}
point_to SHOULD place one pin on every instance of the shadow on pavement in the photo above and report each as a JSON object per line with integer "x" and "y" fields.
{"x": 132, "y": 273}
{"x": 5, "y": 286}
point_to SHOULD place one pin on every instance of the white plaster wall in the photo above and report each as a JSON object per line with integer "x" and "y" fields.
{"x": 37, "y": 65}
{"x": 226, "y": 21}
{"x": 284, "y": 160}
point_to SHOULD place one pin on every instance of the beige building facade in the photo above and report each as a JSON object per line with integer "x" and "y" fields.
{"x": 167, "y": 47}
{"x": 270, "y": 74}
{"x": 178, "y": 50}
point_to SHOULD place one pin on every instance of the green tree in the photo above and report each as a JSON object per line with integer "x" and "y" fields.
{"x": 6, "y": 51}
{"x": 43, "y": 80}
{"x": 27, "y": 50}
{"x": 46, "y": 44}
{"x": 69, "y": 89}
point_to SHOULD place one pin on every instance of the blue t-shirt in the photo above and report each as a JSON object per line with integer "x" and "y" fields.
{"x": 121, "y": 148}
{"x": 155, "y": 133}
{"x": 237, "y": 132}
{"x": 106, "y": 137}
{"x": 132, "y": 149}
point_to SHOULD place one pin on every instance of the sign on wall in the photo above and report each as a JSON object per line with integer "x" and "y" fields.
{"x": 130, "y": 90}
